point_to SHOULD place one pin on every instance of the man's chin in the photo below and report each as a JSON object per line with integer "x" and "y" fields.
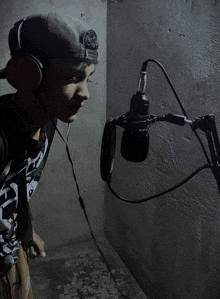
{"x": 69, "y": 119}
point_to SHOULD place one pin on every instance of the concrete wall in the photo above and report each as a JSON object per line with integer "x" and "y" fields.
{"x": 57, "y": 213}
{"x": 171, "y": 244}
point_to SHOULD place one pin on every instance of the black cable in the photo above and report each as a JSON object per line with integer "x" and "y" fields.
{"x": 86, "y": 215}
{"x": 69, "y": 157}
{"x": 163, "y": 192}
{"x": 102, "y": 254}
{"x": 144, "y": 68}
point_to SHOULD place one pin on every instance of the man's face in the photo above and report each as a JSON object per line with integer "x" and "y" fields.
{"x": 66, "y": 89}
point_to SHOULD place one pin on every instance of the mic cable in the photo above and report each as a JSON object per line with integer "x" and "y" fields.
{"x": 85, "y": 212}
{"x": 144, "y": 67}
{"x": 208, "y": 165}
{"x": 163, "y": 192}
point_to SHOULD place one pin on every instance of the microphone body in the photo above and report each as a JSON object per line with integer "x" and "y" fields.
{"x": 135, "y": 138}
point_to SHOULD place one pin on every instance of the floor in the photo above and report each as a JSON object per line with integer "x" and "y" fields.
{"x": 77, "y": 270}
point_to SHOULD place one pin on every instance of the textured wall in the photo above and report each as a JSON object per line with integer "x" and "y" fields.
{"x": 57, "y": 213}
{"x": 171, "y": 244}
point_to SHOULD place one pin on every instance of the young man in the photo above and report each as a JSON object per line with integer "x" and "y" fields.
{"x": 53, "y": 58}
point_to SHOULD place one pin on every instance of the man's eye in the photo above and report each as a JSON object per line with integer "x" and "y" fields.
{"x": 72, "y": 80}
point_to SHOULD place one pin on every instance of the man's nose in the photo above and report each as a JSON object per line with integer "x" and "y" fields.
{"x": 83, "y": 92}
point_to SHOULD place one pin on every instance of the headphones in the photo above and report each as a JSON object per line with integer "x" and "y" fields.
{"x": 23, "y": 71}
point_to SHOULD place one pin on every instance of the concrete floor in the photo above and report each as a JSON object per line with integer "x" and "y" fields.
{"x": 77, "y": 270}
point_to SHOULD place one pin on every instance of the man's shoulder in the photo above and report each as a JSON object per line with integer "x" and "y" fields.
{"x": 4, "y": 101}
{"x": 3, "y": 136}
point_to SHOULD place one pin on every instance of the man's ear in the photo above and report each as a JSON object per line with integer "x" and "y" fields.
{"x": 3, "y": 74}
{"x": 24, "y": 72}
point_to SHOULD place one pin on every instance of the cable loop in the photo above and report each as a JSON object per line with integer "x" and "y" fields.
{"x": 144, "y": 70}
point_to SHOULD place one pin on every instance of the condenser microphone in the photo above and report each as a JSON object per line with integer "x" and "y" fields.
{"x": 135, "y": 138}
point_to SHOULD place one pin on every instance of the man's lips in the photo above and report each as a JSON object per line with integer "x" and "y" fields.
{"x": 76, "y": 106}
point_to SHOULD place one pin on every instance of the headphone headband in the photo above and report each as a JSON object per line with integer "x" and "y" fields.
{"x": 15, "y": 38}
{"x": 24, "y": 70}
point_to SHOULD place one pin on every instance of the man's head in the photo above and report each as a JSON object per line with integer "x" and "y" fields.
{"x": 53, "y": 57}
{"x": 46, "y": 37}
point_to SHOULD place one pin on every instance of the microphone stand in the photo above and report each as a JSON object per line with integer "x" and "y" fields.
{"x": 138, "y": 120}
{"x": 205, "y": 123}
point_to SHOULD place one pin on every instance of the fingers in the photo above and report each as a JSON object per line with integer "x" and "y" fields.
{"x": 37, "y": 247}
{"x": 31, "y": 253}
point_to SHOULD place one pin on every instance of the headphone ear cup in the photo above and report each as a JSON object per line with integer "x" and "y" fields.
{"x": 23, "y": 73}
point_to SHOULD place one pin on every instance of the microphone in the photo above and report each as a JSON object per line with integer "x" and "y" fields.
{"x": 135, "y": 138}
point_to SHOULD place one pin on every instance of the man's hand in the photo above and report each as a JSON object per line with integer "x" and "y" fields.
{"x": 38, "y": 247}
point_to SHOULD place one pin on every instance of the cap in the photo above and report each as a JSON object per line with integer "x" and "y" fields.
{"x": 53, "y": 35}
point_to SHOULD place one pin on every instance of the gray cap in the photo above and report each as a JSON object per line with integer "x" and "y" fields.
{"x": 52, "y": 35}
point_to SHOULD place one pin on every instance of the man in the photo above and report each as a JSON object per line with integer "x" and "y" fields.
{"x": 53, "y": 58}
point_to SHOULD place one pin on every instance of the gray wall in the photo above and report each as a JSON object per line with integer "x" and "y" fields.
{"x": 57, "y": 213}
{"x": 171, "y": 244}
